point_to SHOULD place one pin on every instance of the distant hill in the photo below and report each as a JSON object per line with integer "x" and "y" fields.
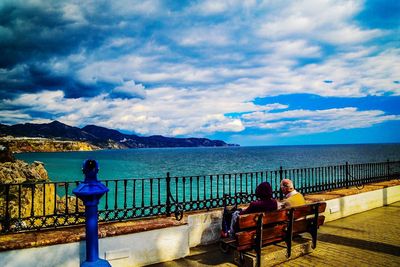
{"x": 102, "y": 137}
{"x": 54, "y": 129}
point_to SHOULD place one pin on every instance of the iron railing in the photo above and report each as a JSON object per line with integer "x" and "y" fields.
{"x": 41, "y": 205}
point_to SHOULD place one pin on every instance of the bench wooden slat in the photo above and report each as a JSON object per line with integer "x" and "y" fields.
{"x": 245, "y": 240}
{"x": 305, "y": 225}
{"x": 250, "y": 220}
{"x": 228, "y": 240}
{"x": 305, "y": 210}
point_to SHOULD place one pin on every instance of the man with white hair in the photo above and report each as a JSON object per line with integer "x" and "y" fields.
{"x": 292, "y": 197}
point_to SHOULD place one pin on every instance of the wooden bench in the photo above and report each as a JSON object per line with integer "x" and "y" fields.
{"x": 257, "y": 230}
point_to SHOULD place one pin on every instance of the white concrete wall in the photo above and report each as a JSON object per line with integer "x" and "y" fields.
{"x": 204, "y": 228}
{"x": 145, "y": 248}
{"x": 67, "y": 255}
{"x": 161, "y": 245}
{"x": 349, "y": 205}
{"x": 137, "y": 249}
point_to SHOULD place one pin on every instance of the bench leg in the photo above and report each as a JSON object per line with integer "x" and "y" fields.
{"x": 288, "y": 247}
{"x": 289, "y": 233}
{"x": 241, "y": 259}
{"x": 258, "y": 264}
{"x": 223, "y": 247}
{"x": 314, "y": 227}
{"x": 314, "y": 237}
{"x": 259, "y": 237}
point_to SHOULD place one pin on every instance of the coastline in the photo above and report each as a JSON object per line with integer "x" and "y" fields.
{"x": 40, "y": 144}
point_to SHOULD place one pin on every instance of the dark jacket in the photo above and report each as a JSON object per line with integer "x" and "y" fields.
{"x": 265, "y": 201}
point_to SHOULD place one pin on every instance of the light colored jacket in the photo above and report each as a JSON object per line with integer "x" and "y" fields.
{"x": 294, "y": 199}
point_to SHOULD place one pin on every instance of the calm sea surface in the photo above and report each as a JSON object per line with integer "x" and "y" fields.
{"x": 143, "y": 163}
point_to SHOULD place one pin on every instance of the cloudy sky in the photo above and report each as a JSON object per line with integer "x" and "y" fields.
{"x": 248, "y": 72}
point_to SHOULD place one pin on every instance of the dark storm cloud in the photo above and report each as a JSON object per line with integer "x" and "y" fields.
{"x": 41, "y": 76}
{"x": 34, "y": 77}
{"x": 33, "y": 37}
{"x": 32, "y": 32}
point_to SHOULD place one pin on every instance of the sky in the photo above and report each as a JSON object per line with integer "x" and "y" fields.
{"x": 244, "y": 71}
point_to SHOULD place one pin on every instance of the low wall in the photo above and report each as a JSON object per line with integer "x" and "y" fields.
{"x": 136, "y": 249}
{"x": 348, "y": 205}
{"x": 139, "y": 249}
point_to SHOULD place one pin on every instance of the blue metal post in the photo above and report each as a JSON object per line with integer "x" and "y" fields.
{"x": 90, "y": 192}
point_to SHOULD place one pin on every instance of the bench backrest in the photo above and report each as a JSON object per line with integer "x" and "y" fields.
{"x": 278, "y": 225}
{"x": 307, "y": 217}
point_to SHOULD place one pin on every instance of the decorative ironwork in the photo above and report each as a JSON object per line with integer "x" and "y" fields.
{"x": 35, "y": 206}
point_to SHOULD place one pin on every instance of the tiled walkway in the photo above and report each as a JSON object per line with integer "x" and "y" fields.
{"x": 370, "y": 238}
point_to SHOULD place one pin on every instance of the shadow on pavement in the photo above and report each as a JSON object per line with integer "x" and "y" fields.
{"x": 359, "y": 243}
{"x": 209, "y": 255}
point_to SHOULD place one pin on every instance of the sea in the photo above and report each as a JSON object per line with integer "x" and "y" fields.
{"x": 156, "y": 162}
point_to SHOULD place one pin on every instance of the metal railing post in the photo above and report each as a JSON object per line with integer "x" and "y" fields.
{"x": 347, "y": 175}
{"x": 7, "y": 219}
{"x": 388, "y": 169}
{"x": 168, "y": 200}
{"x": 280, "y": 180}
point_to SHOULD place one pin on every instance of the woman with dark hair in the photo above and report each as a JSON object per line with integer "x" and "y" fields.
{"x": 264, "y": 203}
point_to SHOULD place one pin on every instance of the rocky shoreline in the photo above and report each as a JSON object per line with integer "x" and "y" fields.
{"x": 24, "y": 144}
{"x": 26, "y": 190}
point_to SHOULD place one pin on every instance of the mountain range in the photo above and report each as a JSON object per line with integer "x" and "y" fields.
{"x": 102, "y": 137}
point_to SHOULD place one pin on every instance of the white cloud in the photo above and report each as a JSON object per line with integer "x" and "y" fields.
{"x": 349, "y": 35}
{"x": 137, "y": 7}
{"x": 129, "y": 90}
{"x": 299, "y": 122}
{"x": 172, "y": 112}
{"x": 214, "y": 36}
{"x": 73, "y": 12}
{"x": 261, "y": 47}
{"x": 293, "y": 49}
{"x": 211, "y": 7}
{"x": 318, "y": 20}
{"x": 14, "y": 116}
{"x": 164, "y": 111}
{"x": 119, "y": 42}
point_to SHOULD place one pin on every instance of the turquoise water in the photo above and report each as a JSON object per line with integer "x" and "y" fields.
{"x": 144, "y": 163}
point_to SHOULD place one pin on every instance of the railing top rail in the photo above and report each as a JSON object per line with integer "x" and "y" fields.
{"x": 285, "y": 169}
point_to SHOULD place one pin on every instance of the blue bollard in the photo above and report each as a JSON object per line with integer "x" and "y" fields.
{"x": 90, "y": 191}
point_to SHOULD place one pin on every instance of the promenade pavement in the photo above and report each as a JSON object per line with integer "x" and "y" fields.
{"x": 371, "y": 238}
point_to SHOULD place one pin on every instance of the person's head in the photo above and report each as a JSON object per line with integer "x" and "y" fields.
{"x": 264, "y": 191}
{"x": 287, "y": 186}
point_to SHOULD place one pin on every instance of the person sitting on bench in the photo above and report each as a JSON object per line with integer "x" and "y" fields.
{"x": 292, "y": 197}
{"x": 264, "y": 203}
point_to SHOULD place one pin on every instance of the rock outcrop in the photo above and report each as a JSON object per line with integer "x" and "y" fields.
{"x": 17, "y": 145}
{"x": 6, "y": 154}
{"x": 25, "y": 191}
{"x": 22, "y": 172}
